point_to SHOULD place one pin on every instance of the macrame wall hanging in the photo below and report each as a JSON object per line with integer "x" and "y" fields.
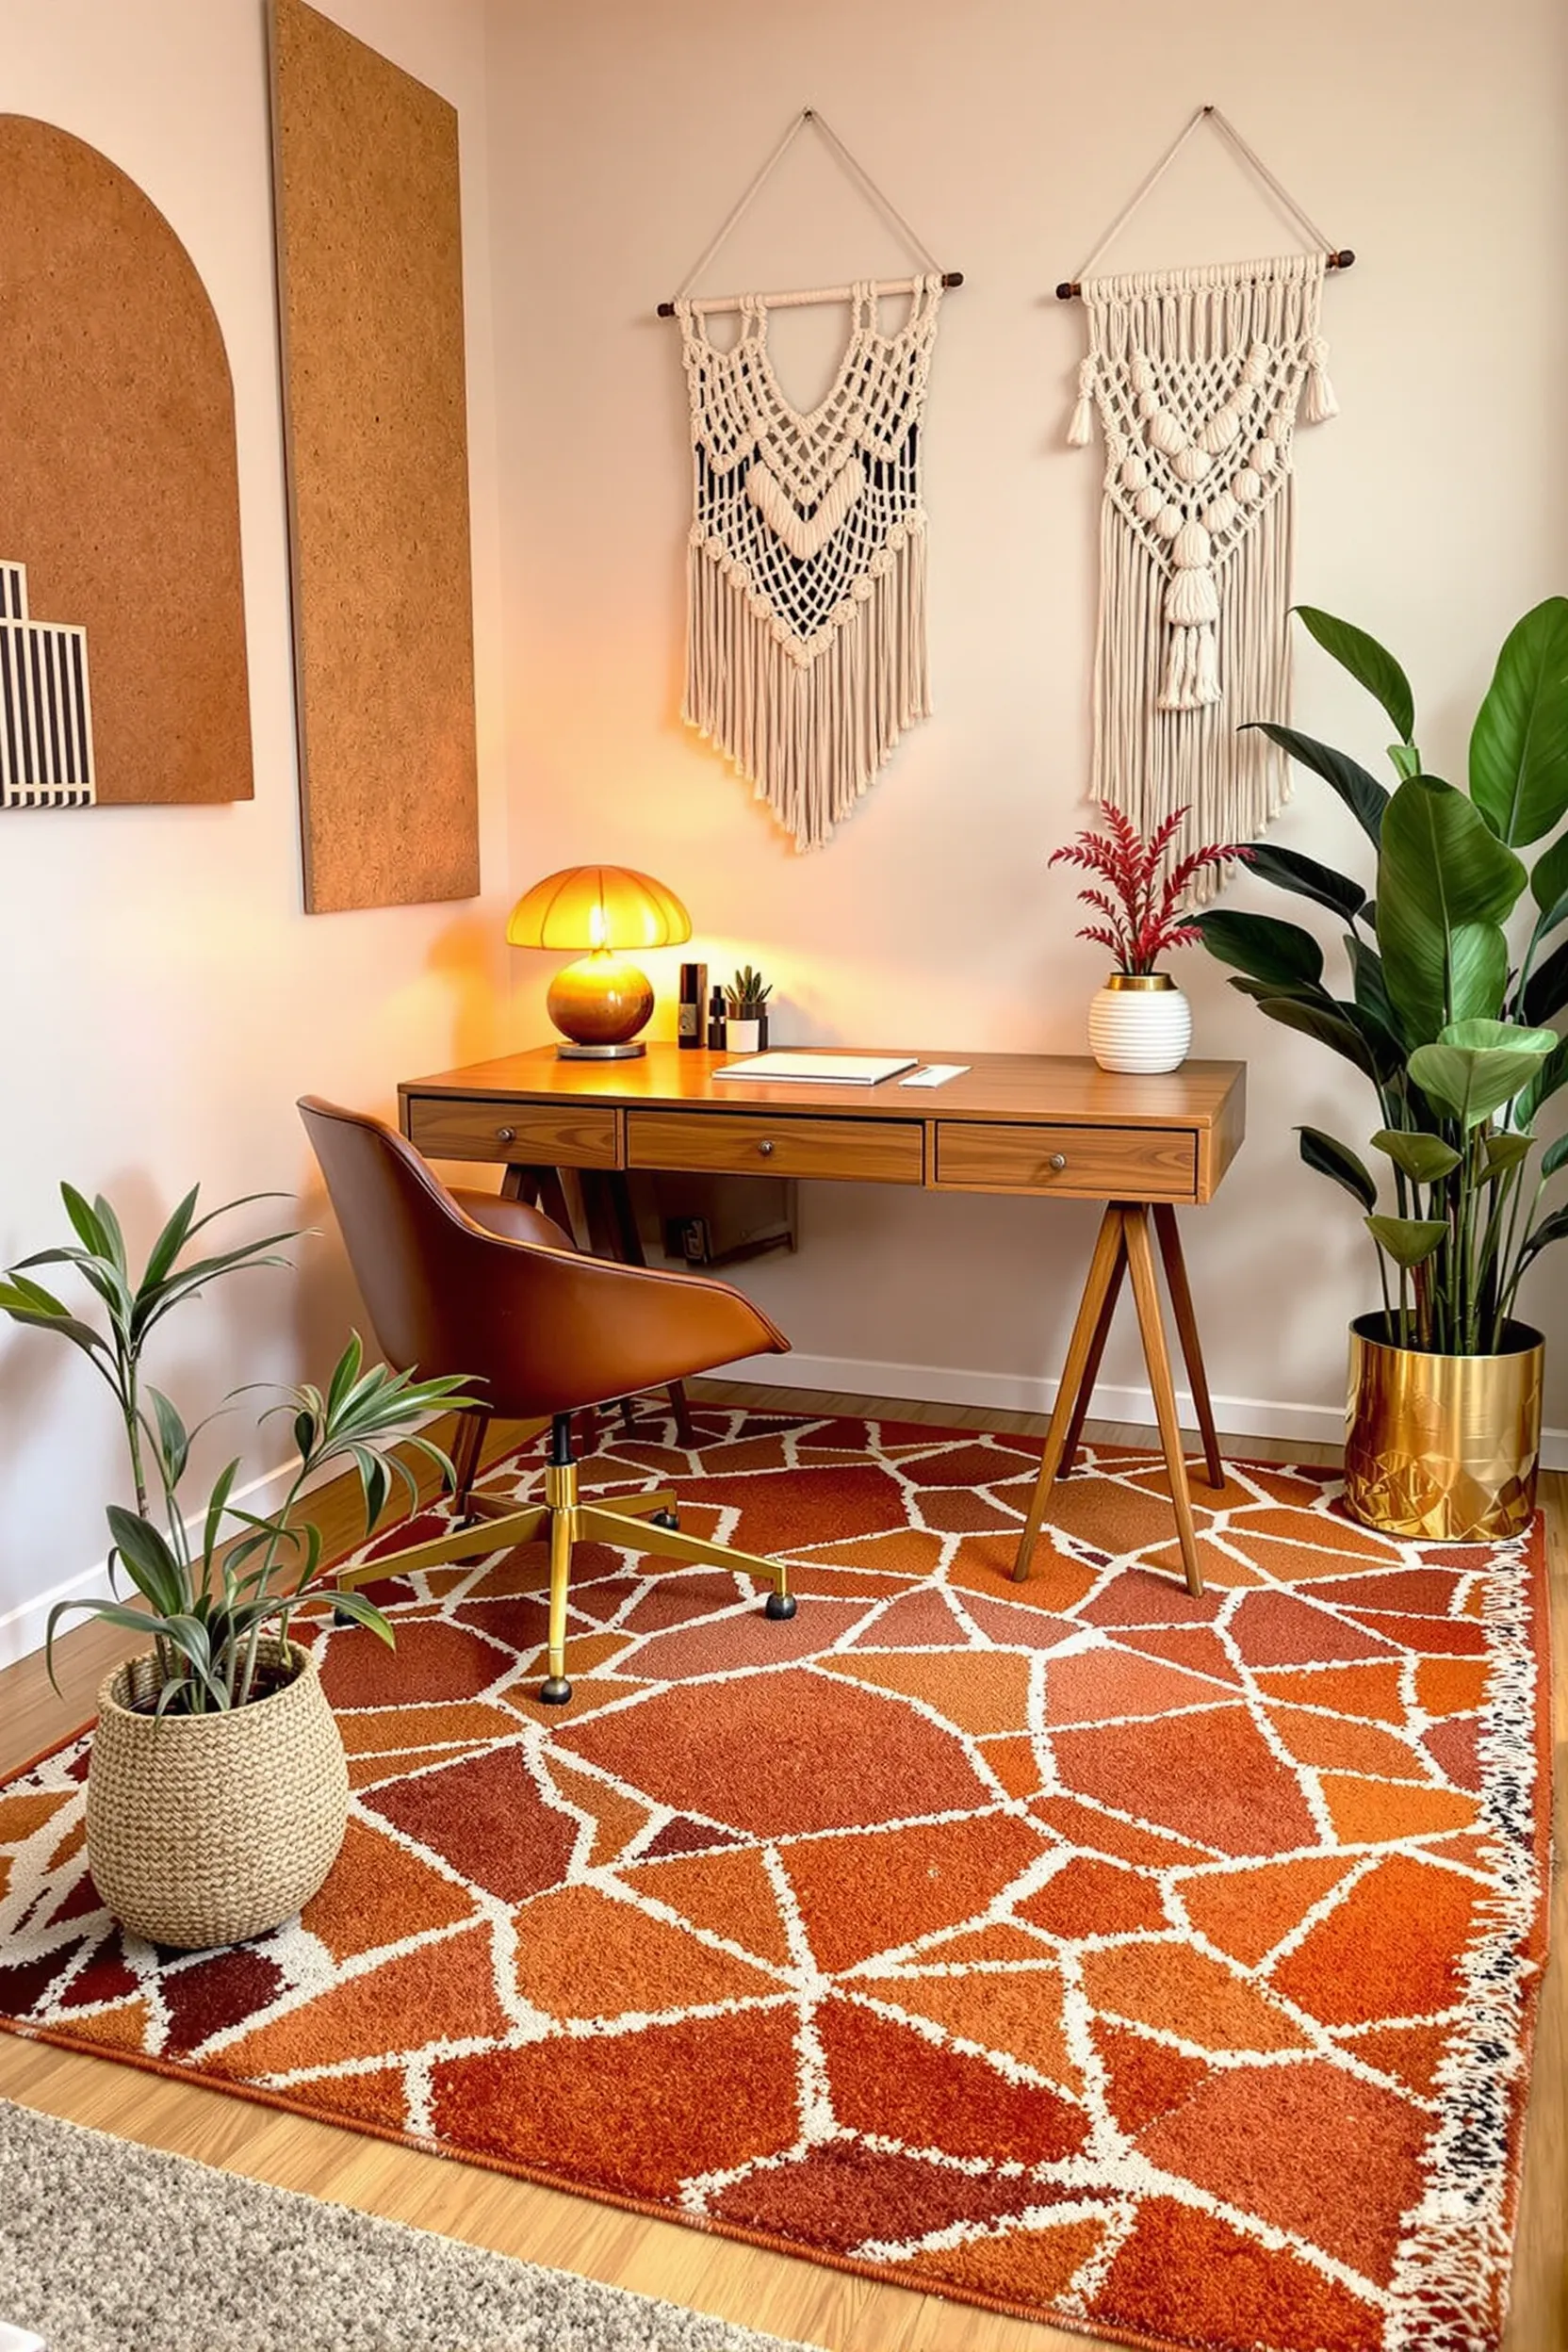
{"x": 806, "y": 568}
{"x": 1198, "y": 376}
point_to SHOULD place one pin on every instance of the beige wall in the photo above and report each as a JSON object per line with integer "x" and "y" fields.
{"x": 1429, "y": 136}
{"x": 166, "y": 999}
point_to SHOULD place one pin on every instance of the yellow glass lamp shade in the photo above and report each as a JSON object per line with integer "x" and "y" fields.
{"x": 599, "y": 1002}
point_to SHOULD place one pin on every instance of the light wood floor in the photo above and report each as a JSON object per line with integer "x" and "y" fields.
{"x": 770, "y": 2292}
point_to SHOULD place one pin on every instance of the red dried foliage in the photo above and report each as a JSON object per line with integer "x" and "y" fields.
{"x": 1142, "y": 910}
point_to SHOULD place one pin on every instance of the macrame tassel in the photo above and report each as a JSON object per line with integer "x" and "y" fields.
{"x": 1078, "y": 432}
{"x": 1318, "y": 401}
{"x": 1192, "y": 673}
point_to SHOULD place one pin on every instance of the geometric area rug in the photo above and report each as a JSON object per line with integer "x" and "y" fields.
{"x": 1162, "y": 1967}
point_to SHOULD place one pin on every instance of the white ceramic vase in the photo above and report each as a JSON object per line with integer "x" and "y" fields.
{"x": 1140, "y": 1021}
{"x": 741, "y": 1036}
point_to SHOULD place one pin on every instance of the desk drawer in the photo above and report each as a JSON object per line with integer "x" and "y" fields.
{"x": 875, "y": 1150}
{"x": 446, "y": 1127}
{"x": 1081, "y": 1163}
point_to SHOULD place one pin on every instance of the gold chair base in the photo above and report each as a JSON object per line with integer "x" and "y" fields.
{"x": 563, "y": 1520}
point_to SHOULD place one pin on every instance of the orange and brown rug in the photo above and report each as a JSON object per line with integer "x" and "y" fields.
{"x": 1162, "y": 1967}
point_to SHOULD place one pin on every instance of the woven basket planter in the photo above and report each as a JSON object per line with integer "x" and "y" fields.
{"x": 204, "y": 1829}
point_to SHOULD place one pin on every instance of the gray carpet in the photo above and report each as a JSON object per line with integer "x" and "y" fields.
{"x": 107, "y": 2246}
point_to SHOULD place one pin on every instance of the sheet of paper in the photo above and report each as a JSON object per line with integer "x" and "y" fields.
{"x": 847, "y": 1069}
{"x": 935, "y": 1074}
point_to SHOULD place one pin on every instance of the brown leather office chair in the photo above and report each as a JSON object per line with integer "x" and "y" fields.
{"x": 466, "y": 1282}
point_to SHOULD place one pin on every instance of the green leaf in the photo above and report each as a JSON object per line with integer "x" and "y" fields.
{"x": 1549, "y": 884}
{"x": 174, "y": 1437}
{"x": 1281, "y": 954}
{"x": 152, "y": 1566}
{"x": 1409, "y": 1240}
{"x": 216, "y": 1505}
{"x": 1478, "y": 1065}
{"x": 110, "y": 1612}
{"x": 345, "y": 1373}
{"x": 1506, "y": 1150}
{"x": 1546, "y": 989}
{"x": 1441, "y": 878}
{"x": 1288, "y": 870}
{"x": 1552, "y": 1074}
{"x": 169, "y": 1242}
{"x": 1519, "y": 745}
{"x": 364, "y": 1612}
{"x": 1330, "y": 1025}
{"x": 1406, "y": 759}
{"x": 1425, "y": 1159}
{"x": 1370, "y": 665}
{"x": 1478, "y": 971}
{"x": 20, "y": 1299}
{"x": 114, "y": 1239}
{"x": 1553, "y": 1228}
{"x": 375, "y": 1479}
{"x": 1330, "y": 1157}
{"x": 1553, "y": 1157}
{"x": 1486, "y": 1037}
{"x": 1364, "y": 797}
{"x": 88, "y": 1231}
{"x": 152, "y": 1304}
{"x": 1372, "y": 1000}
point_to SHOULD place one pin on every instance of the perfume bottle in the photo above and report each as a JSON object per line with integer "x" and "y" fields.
{"x": 690, "y": 1013}
{"x": 715, "y": 1022}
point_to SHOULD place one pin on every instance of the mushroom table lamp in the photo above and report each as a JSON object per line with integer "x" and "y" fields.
{"x": 599, "y": 1002}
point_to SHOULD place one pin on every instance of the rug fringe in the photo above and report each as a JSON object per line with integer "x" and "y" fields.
{"x": 1459, "y": 2234}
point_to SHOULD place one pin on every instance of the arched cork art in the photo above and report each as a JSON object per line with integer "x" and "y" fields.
{"x": 119, "y": 496}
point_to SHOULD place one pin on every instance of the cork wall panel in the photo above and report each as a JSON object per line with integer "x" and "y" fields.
{"x": 370, "y": 291}
{"x": 119, "y": 494}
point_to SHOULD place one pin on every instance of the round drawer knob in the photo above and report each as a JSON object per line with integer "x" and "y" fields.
{"x": 1059, "y": 1161}
{"x": 506, "y": 1134}
{"x": 766, "y": 1149}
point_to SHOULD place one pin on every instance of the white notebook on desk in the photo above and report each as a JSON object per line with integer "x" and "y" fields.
{"x": 847, "y": 1069}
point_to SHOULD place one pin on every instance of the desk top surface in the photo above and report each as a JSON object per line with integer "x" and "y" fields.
{"x": 1027, "y": 1087}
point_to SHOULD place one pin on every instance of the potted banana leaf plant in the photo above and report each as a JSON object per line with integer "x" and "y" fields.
{"x": 1456, "y": 966}
{"x": 218, "y": 1792}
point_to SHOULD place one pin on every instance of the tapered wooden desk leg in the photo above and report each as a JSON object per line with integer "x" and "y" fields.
{"x": 1107, "y": 1254}
{"x": 1091, "y": 1369}
{"x": 1141, "y": 1265}
{"x": 1187, "y": 1327}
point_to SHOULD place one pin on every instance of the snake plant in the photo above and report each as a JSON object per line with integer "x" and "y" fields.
{"x": 1454, "y": 971}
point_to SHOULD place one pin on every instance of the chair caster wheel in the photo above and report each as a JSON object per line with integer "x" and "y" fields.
{"x": 670, "y": 1519}
{"x": 555, "y": 1690}
{"x": 779, "y": 1605}
{"x": 341, "y": 1617}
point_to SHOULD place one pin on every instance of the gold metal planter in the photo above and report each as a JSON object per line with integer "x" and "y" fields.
{"x": 1443, "y": 1448}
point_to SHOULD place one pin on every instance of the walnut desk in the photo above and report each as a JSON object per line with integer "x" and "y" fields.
{"x": 1033, "y": 1123}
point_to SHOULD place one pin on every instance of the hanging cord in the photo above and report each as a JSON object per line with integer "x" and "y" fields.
{"x": 821, "y": 294}
{"x": 1337, "y": 258}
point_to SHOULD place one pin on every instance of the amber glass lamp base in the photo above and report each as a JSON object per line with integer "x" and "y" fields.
{"x": 599, "y": 1004}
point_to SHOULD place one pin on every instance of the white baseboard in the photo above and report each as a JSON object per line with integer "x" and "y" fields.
{"x": 1010, "y": 1392}
{"x": 22, "y": 1629}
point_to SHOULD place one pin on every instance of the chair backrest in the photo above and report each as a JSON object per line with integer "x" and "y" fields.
{"x": 532, "y": 1327}
{"x": 420, "y": 1266}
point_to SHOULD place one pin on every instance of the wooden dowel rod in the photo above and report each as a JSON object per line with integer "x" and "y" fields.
{"x": 1069, "y": 288}
{"x": 707, "y": 304}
